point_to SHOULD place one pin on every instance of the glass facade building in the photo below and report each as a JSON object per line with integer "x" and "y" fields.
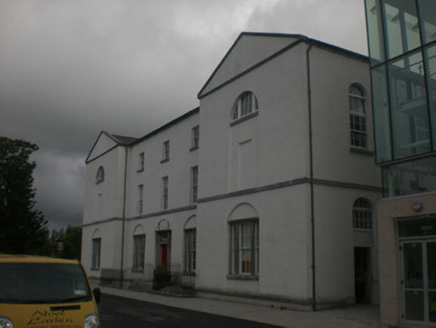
{"x": 402, "y": 48}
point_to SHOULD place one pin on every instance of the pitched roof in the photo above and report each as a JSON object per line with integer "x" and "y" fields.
{"x": 252, "y": 49}
{"x": 122, "y": 140}
{"x": 106, "y": 142}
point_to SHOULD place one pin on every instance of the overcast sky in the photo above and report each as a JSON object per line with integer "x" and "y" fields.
{"x": 72, "y": 68}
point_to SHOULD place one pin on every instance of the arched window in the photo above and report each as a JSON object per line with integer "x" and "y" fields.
{"x": 362, "y": 214}
{"x": 358, "y": 130}
{"x": 244, "y": 241}
{"x": 138, "y": 249}
{"x": 190, "y": 257}
{"x": 100, "y": 175}
{"x": 244, "y": 105}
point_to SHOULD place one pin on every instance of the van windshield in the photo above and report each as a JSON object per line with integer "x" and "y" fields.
{"x": 39, "y": 283}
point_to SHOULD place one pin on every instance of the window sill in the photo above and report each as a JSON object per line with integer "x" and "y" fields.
{"x": 242, "y": 277}
{"x": 363, "y": 151}
{"x": 138, "y": 270}
{"x": 140, "y": 170}
{"x": 193, "y": 148}
{"x": 95, "y": 269}
{"x": 164, "y": 160}
{"x": 363, "y": 230}
{"x": 244, "y": 118}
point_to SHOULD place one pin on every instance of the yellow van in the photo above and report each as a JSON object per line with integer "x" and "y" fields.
{"x": 42, "y": 292}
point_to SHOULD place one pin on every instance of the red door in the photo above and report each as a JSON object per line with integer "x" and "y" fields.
{"x": 164, "y": 254}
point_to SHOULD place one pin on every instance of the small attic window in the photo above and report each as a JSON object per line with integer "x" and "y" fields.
{"x": 246, "y": 104}
{"x": 100, "y": 175}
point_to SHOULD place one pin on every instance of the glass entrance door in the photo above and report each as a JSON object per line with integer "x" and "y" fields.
{"x": 419, "y": 281}
{"x": 431, "y": 274}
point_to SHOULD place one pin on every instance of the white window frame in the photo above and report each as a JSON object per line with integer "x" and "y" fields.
{"x": 194, "y": 184}
{"x": 195, "y": 137}
{"x": 140, "y": 198}
{"x": 166, "y": 151}
{"x": 100, "y": 175}
{"x": 362, "y": 214}
{"x": 138, "y": 252}
{"x": 96, "y": 253}
{"x": 165, "y": 182}
{"x": 245, "y": 105}
{"x": 358, "y": 117}
{"x": 190, "y": 250}
{"x": 244, "y": 248}
{"x": 141, "y": 162}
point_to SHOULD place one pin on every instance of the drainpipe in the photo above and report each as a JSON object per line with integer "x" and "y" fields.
{"x": 123, "y": 218}
{"x": 312, "y": 205}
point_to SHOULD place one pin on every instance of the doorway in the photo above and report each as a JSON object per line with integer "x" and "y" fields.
{"x": 418, "y": 284}
{"x": 163, "y": 247}
{"x": 362, "y": 274}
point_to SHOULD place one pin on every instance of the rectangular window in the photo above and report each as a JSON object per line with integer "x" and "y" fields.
{"x": 194, "y": 184}
{"x": 166, "y": 151}
{"x": 164, "y": 193}
{"x": 190, "y": 250}
{"x": 244, "y": 246}
{"x": 96, "y": 251}
{"x": 138, "y": 253}
{"x": 141, "y": 162}
{"x": 358, "y": 130}
{"x": 140, "y": 198}
{"x": 195, "y": 137}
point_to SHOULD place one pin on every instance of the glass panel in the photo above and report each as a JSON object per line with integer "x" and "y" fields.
{"x": 374, "y": 30}
{"x": 414, "y": 305}
{"x": 235, "y": 237}
{"x": 427, "y": 10}
{"x": 362, "y": 214}
{"x": 409, "y": 106}
{"x": 413, "y": 269}
{"x": 139, "y": 248}
{"x": 190, "y": 250}
{"x": 432, "y": 306}
{"x": 34, "y": 283}
{"x": 410, "y": 178}
{"x": 431, "y": 265}
{"x": 417, "y": 228}
{"x": 96, "y": 248}
{"x": 246, "y": 247}
{"x": 401, "y": 26}
{"x": 430, "y": 58}
{"x": 256, "y": 245}
{"x": 381, "y": 114}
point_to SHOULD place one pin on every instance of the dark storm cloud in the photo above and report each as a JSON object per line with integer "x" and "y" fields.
{"x": 69, "y": 69}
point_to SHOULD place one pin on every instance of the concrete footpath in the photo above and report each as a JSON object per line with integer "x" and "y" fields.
{"x": 351, "y": 317}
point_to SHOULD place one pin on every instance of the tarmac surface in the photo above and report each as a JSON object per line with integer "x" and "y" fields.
{"x": 351, "y": 317}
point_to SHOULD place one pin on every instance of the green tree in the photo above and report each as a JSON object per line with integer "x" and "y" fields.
{"x": 22, "y": 228}
{"x": 71, "y": 243}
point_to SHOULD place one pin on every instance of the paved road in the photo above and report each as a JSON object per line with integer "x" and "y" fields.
{"x": 119, "y": 312}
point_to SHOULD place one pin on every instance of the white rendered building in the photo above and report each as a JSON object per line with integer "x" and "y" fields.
{"x": 266, "y": 191}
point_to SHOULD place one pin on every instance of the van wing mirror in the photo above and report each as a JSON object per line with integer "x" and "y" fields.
{"x": 97, "y": 294}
